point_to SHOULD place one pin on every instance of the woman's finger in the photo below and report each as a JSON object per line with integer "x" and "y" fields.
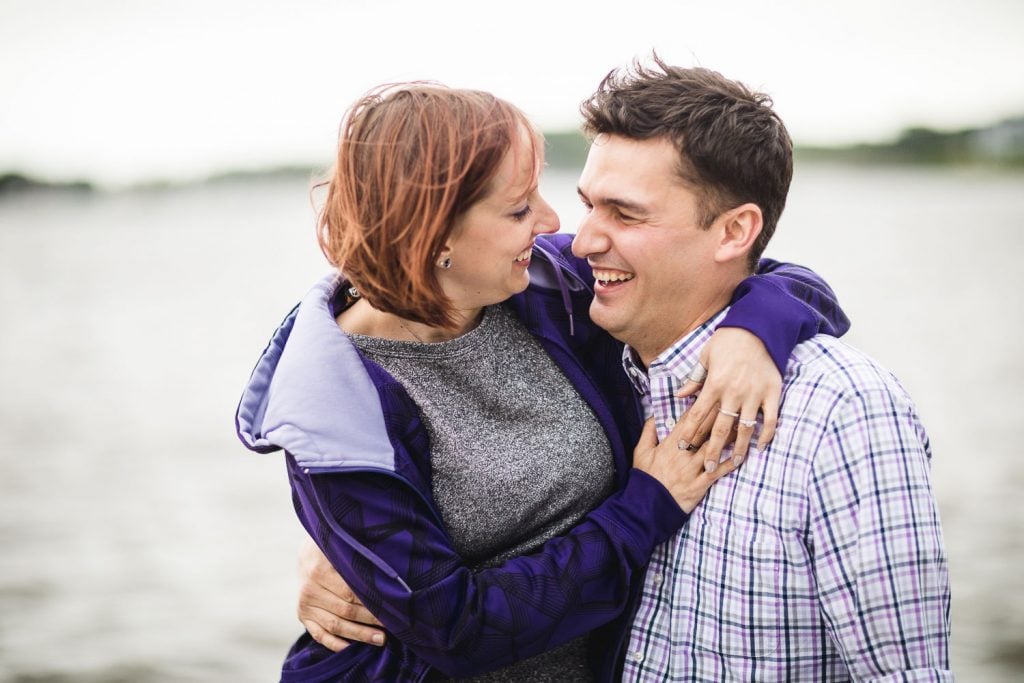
{"x": 699, "y": 417}
{"x": 643, "y": 453}
{"x": 771, "y": 418}
{"x": 704, "y": 431}
{"x": 720, "y": 435}
{"x": 695, "y": 378}
{"x": 744, "y": 431}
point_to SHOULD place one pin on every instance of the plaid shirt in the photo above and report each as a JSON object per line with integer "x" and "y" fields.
{"x": 821, "y": 558}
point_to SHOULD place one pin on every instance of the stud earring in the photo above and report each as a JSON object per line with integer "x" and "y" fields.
{"x": 445, "y": 263}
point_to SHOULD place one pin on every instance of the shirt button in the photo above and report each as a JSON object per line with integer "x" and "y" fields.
{"x": 670, "y": 423}
{"x": 657, "y": 579}
{"x": 638, "y": 656}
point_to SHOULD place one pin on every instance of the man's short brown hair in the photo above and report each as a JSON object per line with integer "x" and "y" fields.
{"x": 733, "y": 148}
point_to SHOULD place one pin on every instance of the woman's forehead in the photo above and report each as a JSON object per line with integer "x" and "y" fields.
{"x": 520, "y": 169}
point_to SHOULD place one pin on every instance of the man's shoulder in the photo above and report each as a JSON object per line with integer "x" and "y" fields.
{"x": 831, "y": 366}
{"x": 832, "y": 385}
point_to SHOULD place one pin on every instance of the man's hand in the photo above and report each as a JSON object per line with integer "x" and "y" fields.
{"x": 741, "y": 380}
{"x": 328, "y": 608}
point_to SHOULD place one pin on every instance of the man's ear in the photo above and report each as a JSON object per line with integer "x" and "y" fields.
{"x": 740, "y": 228}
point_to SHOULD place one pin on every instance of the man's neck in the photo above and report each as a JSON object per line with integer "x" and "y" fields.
{"x": 650, "y": 344}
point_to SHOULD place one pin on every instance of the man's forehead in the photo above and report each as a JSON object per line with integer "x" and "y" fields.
{"x": 620, "y": 155}
{"x": 622, "y": 171}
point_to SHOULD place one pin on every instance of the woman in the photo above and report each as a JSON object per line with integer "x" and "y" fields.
{"x": 455, "y": 428}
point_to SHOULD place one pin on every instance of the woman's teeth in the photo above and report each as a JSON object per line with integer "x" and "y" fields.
{"x": 525, "y": 255}
{"x": 606, "y": 277}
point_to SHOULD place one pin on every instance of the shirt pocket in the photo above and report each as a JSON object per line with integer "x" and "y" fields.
{"x": 739, "y": 605}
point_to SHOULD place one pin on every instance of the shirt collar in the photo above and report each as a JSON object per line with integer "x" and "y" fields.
{"x": 676, "y": 360}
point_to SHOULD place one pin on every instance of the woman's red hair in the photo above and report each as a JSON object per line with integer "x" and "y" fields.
{"x": 411, "y": 158}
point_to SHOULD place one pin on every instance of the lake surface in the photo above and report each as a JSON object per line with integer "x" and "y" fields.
{"x": 141, "y": 542}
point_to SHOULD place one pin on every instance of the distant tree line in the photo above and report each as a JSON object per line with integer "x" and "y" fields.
{"x": 1001, "y": 144}
{"x": 15, "y": 182}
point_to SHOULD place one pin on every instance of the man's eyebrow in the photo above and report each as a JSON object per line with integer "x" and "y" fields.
{"x": 615, "y": 201}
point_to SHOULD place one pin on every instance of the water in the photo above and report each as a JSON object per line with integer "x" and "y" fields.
{"x": 141, "y": 542}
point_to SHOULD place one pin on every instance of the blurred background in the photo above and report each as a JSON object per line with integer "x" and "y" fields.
{"x": 156, "y": 224}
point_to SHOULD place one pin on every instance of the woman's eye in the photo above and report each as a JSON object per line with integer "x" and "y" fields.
{"x": 519, "y": 216}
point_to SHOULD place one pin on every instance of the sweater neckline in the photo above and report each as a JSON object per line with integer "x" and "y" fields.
{"x": 464, "y": 343}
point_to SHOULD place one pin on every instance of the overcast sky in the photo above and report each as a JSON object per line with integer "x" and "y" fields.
{"x": 121, "y": 91}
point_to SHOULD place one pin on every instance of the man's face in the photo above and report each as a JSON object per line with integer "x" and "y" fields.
{"x": 653, "y": 263}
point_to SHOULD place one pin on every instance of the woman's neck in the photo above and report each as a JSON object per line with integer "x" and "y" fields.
{"x": 362, "y": 318}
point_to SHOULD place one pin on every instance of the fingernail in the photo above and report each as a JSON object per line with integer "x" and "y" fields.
{"x": 739, "y": 458}
{"x": 378, "y": 638}
{"x": 709, "y": 466}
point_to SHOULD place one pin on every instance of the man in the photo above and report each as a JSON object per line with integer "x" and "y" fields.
{"x": 821, "y": 558}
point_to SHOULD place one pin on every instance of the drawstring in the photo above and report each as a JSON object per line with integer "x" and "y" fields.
{"x": 325, "y": 515}
{"x": 563, "y": 286}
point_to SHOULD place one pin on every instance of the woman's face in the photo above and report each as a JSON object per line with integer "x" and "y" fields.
{"x": 491, "y": 242}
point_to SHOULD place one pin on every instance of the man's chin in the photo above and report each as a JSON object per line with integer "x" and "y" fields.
{"x": 608, "y": 318}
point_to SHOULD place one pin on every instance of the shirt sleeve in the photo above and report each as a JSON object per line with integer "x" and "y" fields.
{"x": 783, "y": 305}
{"x": 876, "y": 541}
{"x": 387, "y": 543}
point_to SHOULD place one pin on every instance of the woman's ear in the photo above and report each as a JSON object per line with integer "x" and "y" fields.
{"x": 444, "y": 258}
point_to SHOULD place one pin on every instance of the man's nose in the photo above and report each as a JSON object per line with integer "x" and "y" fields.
{"x": 589, "y": 239}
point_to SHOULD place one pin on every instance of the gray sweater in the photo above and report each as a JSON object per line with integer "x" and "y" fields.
{"x": 517, "y": 456}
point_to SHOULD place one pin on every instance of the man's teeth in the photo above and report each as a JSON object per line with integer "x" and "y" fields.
{"x": 606, "y": 276}
{"x": 525, "y": 255}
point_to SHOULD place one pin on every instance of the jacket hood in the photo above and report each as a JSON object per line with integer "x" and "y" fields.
{"x": 311, "y": 395}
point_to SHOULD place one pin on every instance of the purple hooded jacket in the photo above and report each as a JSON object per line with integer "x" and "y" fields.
{"x": 358, "y": 460}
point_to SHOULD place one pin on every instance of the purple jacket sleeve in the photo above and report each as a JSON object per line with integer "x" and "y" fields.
{"x": 784, "y": 305}
{"x": 388, "y": 544}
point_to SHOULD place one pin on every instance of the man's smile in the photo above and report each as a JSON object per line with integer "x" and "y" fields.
{"x": 606, "y": 278}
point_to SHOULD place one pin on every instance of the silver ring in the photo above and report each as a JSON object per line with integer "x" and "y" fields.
{"x": 748, "y": 423}
{"x": 682, "y": 445}
{"x": 728, "y": 412}
{"x": 698, "y": 373}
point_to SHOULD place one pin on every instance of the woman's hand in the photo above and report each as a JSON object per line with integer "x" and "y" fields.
{"x": 328, "y": 608}
{"x": 679, "y": 469}
{"x": 741, "y": 380}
